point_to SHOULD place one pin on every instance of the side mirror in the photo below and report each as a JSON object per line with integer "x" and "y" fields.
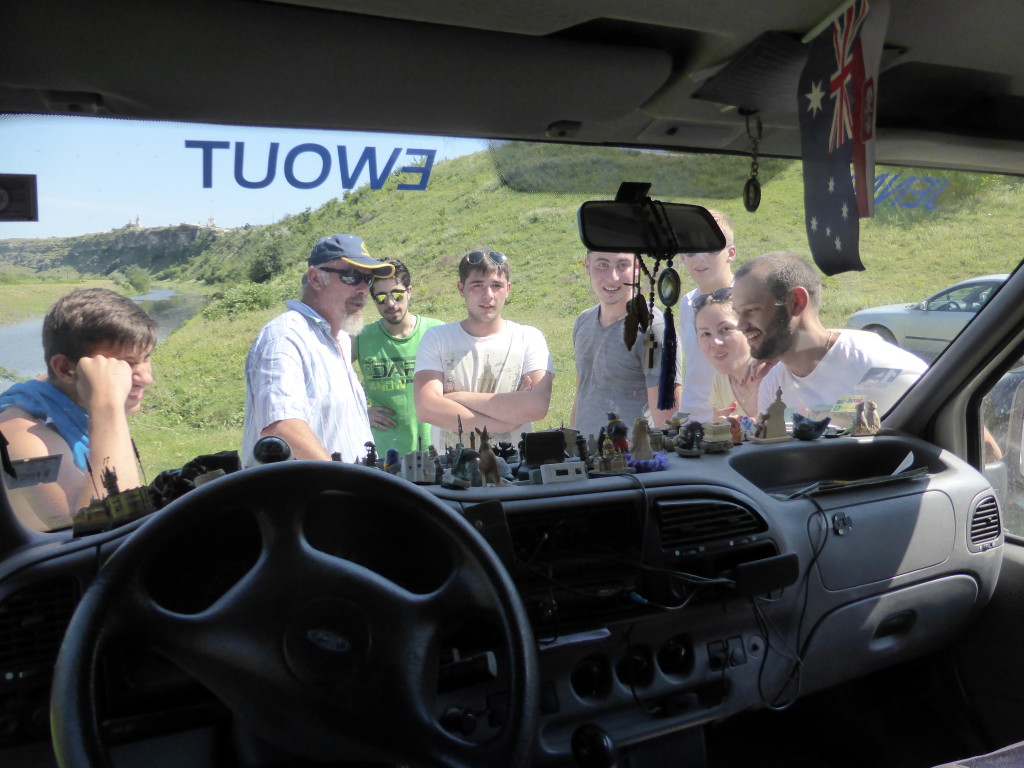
{"x": 648, "y": 227}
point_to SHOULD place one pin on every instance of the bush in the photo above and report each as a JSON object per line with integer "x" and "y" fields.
{"x": 137, "y": 278}
{"x": 267, "y": 264}
{"x": 242, "y": 299}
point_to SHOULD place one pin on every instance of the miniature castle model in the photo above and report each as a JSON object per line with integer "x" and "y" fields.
{"x": 717, "y": 436}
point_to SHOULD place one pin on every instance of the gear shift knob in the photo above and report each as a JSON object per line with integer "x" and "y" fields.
{"x": 271, "y": 449}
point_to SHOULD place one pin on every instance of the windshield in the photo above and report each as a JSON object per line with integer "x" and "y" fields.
{"x": 210, "y": 228}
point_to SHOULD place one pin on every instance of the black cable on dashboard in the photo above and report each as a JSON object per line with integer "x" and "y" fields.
{"x": 763, "y": 620}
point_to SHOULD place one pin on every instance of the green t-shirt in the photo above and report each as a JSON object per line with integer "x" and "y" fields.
{"x": 388, "y": 364}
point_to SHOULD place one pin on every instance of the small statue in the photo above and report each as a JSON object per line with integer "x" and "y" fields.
{"x": 806, "y": 428}
{"x": 582, "y": 449}
{"x": 569, "y": 437}
{"x": 735, "y": 430}
{"x": 461, "y": 473}
{"x": 866, "y": 420}
{"x": 657, "y": 439}
{"x": 506, "y": 450}
{"x": 675, "y": 422}
{"x": 690, "y": 438}
{"x": 489, "y": 471}
{"x": 771, "y": 425}
{"x": 617, "y": 432}
{"x": 717, "y": 437}
{"x": 392, "y": 461}
{"x": 371, "y": 454}
{"x": 641, "y": 449}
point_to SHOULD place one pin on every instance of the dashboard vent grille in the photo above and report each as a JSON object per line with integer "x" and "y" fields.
{"x": 691, "y": 523}
{"x": 985, "y": 524}
{"x": 32, "y": 625}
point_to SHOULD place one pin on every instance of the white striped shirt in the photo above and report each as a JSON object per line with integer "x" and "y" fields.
{"x": 297, "y": 370}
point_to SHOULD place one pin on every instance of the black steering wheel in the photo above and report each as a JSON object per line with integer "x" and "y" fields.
{"x": 370, "y": 622}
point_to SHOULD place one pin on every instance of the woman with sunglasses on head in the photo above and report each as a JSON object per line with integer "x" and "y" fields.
{"x": 711, "y": 272}
{"x": 726, "y": 349}
{"x": 386, "y": 351}
{"x": 300, "y": 382}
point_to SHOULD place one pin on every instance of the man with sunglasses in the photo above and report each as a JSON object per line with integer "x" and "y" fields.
{"x": 485, "y": 370}
{"x": 386, "y": 351}
{"x": 711, "y": 272}
{"x": 300, "y": 382}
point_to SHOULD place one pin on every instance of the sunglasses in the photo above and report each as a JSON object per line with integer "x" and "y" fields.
{"x": 396, "y": 294}
{"x": 475, "y": 257}
{"x": 349, "y": 276}
{"x": 715, "y": 297}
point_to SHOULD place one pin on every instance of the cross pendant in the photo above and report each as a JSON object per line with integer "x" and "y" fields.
{"x": 651, "y": 346}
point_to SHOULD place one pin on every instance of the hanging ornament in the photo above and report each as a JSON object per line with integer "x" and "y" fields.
{"x": 651, "y": 343}
{"x": 752, "y": 189}
{"x": 668, "y": 292}
{"x": 668, "y": 286}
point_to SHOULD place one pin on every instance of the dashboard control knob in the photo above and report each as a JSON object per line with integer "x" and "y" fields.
{"x": 591, "y": 678}
{"x": 592, "y": 747}
{"x": 634, "y": 668}
{"x": 459, "y": 721}
{"x": 676, "y": 657}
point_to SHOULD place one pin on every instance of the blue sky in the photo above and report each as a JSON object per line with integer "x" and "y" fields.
{"x": 96, "y": 174}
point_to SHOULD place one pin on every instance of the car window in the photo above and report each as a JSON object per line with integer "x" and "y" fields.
{"x": 963, "y": 299}
{"x": 221, "y": 220}
{"x": 1002, "y": 438}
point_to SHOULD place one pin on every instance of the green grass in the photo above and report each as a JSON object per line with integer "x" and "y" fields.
{"x": 25, "y": 300}
{"x": 197, "y": 403}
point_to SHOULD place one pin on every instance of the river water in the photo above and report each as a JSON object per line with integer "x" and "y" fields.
{"x": 21, "y": 344}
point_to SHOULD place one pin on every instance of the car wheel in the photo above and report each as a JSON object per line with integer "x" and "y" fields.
{"x": 331, "y": 642}
{"x": 882, "y": 331}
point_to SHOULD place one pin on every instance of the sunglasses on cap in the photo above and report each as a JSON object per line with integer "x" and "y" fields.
{"x": 396, "y": 294}
{"x": 349, "y": 276}
{"x": 476, "y": 257}
{"x": 715, "y": 297}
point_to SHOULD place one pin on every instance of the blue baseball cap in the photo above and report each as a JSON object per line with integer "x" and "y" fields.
{"x": 350, "y": 248}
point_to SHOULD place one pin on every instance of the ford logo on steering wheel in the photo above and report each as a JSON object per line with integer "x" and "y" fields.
{"x": 326, "y": 640}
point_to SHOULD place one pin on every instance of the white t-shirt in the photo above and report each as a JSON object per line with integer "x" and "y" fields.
{"x": 860, "y": 365}
{"x": 482, "y": 364}
{"x": 696, "y": 397}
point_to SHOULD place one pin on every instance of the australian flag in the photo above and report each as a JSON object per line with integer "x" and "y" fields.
{"x": 837, "y": 97}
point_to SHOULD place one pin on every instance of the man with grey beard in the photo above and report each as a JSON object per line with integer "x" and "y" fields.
{"x": 776, "y": 297}
{"x": 300, "y": 383}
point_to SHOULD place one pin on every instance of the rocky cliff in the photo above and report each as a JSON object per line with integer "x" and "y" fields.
{"x": 153, "y": 249}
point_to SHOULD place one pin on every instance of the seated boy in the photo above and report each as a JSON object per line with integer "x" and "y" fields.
{"x": 97, "y": 346}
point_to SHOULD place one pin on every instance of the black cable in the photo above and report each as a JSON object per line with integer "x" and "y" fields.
{"x": 763, "y": 619}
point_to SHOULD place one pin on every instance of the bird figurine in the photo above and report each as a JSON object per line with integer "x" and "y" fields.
{"x": 392, "y": 461}
{"x": 806, "y": 428}
{"x": 618, "y": 432}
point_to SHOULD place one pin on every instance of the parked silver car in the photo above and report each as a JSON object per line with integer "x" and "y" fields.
{"x": 927, "y": 327}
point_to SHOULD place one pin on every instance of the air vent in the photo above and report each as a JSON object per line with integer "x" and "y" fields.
{"x": 985, "y": 524}
{"x": 32, "y": 625}
{"x": 686, "y": 524}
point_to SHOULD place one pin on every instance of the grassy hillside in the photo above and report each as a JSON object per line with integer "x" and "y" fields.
{"x": 198, "y": 401}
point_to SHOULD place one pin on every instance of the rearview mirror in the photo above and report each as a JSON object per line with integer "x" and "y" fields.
{"x": 648, "y": 227}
